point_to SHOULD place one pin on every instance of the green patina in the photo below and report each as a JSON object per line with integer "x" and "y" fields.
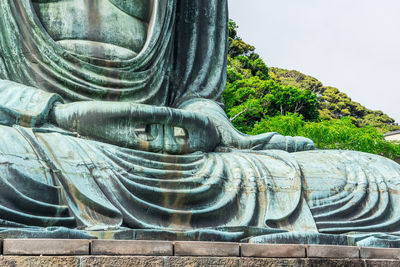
{"x": 112, "y": 127}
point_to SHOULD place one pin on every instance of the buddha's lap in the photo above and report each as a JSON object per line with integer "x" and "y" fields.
{"x": 339, "y": 180}
{"x": 335, "y": 168}
{"x": 351, "y": 190}
{"x": 324, "y": 172}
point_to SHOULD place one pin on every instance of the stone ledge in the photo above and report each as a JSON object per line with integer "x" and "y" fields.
{"x": 380, "y": 253}
{"x": 46, "y": 247}
{"x": 124, "y": 247}
{"x": 76, "y": 247}
{"x": 216, "y": 249}
{"x": 333, "y": 252}
{"x": 273, "y": 251}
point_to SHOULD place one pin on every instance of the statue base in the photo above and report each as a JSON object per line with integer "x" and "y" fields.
{"x": 83, "y": 252}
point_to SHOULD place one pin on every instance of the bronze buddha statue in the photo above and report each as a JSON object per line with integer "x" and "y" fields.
{"x": 111, "y": 122}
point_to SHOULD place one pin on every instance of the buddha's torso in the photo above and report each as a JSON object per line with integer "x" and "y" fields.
{"x": 98, "y": 28}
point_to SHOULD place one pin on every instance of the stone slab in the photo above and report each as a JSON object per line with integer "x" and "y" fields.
{"x": 213, "y": 249}
{"x": 273, "y": 251}
{"x": 126, "y": 247}
{"x": 338, "y": 252}
{"x": 379, "y": 253}
{"x": 46, "y": 247}
{"x": 167, "y": 261}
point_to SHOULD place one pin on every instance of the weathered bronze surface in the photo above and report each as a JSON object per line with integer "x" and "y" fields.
{"x": 112, "y": 127}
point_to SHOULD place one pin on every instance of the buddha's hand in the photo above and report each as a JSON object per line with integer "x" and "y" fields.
{"x": 142, "y": 127}
{"x": 231, "y": 138}
{"x": 289, "y": 143}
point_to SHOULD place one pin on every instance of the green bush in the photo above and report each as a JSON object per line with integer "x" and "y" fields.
{"x": 331, "y": 134}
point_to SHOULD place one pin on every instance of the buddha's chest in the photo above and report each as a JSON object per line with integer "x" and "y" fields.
{"x": 136, "y": 8}
{"x": 74, "y": 23}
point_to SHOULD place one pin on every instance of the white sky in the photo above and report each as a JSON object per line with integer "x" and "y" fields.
{"x": 353, "y": 45}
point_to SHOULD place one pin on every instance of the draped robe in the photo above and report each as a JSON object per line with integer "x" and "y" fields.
{"x": 55, "y": 183}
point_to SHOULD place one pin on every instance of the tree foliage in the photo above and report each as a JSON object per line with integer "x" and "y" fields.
{"x": 251, "y": 94}
{"x": 334, "y": 104}
{"x": 250, "y": 100}
{"x": 237, "y": 46}
{"x": 259, "y": 99}
{"x": 331, "y": 134}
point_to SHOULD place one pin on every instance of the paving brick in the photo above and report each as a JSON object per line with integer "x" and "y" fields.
{"x": 379, "y": 253}
{"x": 213, "y": 249}
{"x": 334, "y": 252}
{"x": 125, "y": 247}
{"x": 273, "y": 251}
{"x": 46, "y": 247}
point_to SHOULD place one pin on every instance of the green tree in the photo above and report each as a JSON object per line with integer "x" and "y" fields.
{"x": 236, "y": 45}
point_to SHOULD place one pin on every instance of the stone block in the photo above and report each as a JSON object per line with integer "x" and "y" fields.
{"x": 127, "y": 247}
{"x": 201, "y": 261}
{"x": 379, "y": 253}
{"x": 46, "y": 247}
{"x": 212, "y": 249}
{"x": 334, "y": 252}
{"x": 80, "y": 261}
{"x": 381, "y": 263}
{"x": 32, "y": 261}
{"x": 273, "y": 251}
{"x": 120, "y": 261}
{"x": 299, "y": 262}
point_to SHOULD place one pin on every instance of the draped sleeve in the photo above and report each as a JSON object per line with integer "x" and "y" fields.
{"x": 24, "y": 105}
{"x": 3, "y": 72}
{"x": 201, "y": 45}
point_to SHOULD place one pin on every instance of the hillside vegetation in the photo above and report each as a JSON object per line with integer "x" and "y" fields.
{"x": 333, "y": 104}
{"x": 260, "y": 99}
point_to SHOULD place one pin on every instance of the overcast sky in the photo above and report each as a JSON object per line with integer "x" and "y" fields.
{"x": 353, "y": 45}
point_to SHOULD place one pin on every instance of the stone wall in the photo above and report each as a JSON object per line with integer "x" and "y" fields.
{"x": 137, "y": 261}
